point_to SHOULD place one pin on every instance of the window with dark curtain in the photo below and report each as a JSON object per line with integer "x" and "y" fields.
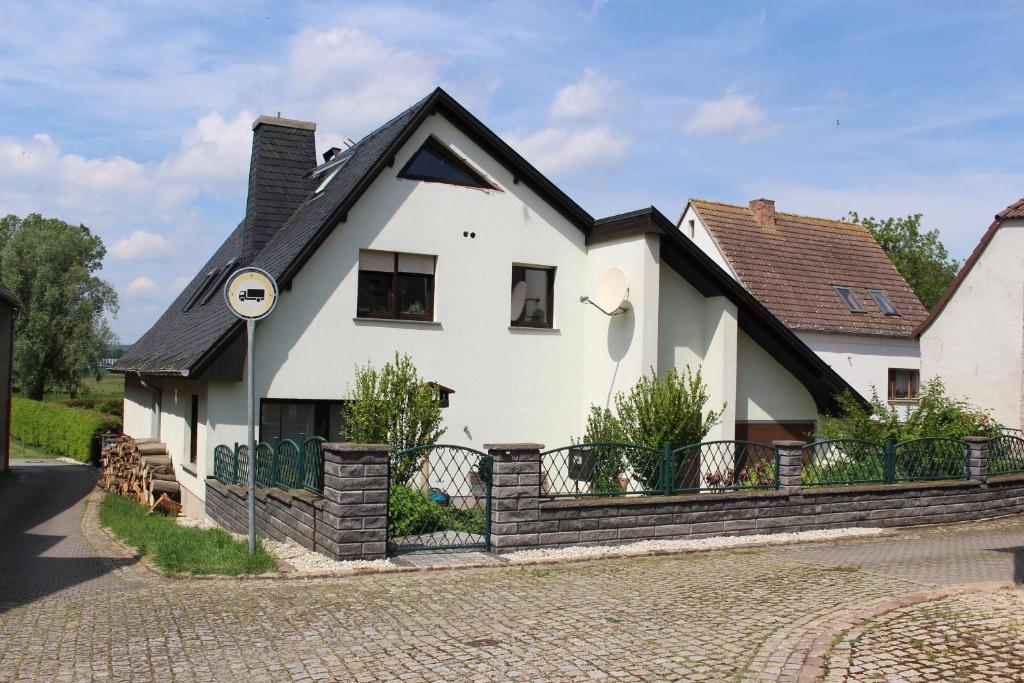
{"x": 193, "y": 447}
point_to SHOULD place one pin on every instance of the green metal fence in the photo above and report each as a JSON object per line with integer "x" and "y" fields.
{"x": 841, "y": 462}
{"x": 284, "y": 463}
{"x": 1006, "y": 453}
{"x": 616, "y": 469}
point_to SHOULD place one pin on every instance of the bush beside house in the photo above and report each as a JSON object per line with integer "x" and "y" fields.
{"x": 72, "y": 432}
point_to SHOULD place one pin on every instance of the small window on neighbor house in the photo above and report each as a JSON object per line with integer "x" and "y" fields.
{"x": 903, "y": 384}
{"x": 533, "y": 296}
{"x": 193, "y": 446}
{"x": 435, "y": 163}
{"x": 882, "y": 299}
{"x": 850, "y": 299}
{"x": 398, "y": 286}
{"x": 693, "y": 223}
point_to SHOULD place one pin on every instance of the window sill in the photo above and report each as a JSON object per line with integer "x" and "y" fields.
{"x": 904, "y": 401}
{"x": 516, "y": 329}
{"x": 190, "y": 469}
{"x": 396, "y": 322}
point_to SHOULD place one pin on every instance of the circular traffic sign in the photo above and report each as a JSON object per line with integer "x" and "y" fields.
{"x": 251, "y": 293}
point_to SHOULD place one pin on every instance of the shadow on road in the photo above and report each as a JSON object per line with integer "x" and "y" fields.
{"x": 42, "y": 550}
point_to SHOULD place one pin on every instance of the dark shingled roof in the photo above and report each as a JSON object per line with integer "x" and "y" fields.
{"x": 793, "y": 266}
{"x": 1015, "y": 210}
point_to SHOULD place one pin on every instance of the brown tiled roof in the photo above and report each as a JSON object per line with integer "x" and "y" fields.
{"x": 1015, "y": 210}
{"x": 793, "y": 266}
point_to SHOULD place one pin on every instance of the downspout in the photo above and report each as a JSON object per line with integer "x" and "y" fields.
{"x": 157, "y": 405}
{"x": 10, "y": 387}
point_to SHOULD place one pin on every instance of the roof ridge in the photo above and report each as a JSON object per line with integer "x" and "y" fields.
{"x": 798, "y": 216}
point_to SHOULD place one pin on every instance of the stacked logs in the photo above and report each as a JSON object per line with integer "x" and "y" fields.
{"x": 141, "y": 469}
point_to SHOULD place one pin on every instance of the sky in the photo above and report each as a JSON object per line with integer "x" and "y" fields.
{"x": 135, "y": 118}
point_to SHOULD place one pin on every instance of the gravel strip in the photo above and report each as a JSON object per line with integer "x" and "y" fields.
{"x": 683, "y": 546}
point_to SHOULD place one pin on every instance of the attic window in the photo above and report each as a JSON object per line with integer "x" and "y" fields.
{"x": 435, "y": 163}
{"x": 218, "y": 282}
{"x": 199, "y": 291}
{"x": 882, "y": 299}
{"x": 850, "y": 299}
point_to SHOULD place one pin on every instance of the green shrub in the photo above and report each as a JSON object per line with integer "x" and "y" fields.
{"x": 69, "y": 431}
{"x": 176, "y": 548}
{"x": 609, "y": 461}
{"x": 107, "y": 406}
{"x": 411, "y": 512}
{"x": 394, "y": 406}
{"x": 936, "y": 414}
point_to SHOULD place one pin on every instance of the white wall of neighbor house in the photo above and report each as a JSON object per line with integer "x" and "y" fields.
{"x": 976, "y": 344}
{"x": 692, "y": 227}
{"x": 864, "y": 361}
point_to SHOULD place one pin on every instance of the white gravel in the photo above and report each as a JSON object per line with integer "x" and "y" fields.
{"x": 300, "y": 560}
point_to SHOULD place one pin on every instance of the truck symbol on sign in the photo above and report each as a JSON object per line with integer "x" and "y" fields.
{"x": 252, "y": 295}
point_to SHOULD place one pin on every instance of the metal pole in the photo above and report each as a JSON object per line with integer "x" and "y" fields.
{"x": 250, "y": 328}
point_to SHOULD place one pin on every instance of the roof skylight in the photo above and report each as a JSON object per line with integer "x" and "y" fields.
{"x": 850, "y": 299}
{"x": 882, "y": 299}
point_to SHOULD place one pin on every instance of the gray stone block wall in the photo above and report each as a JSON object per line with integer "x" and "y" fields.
{"x": 349, "y": 522}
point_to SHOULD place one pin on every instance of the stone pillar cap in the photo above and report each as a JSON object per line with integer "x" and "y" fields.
{"x": 346, "y": 446}
{"x": 789, "y": 444}
{"x": 513, "y": 446}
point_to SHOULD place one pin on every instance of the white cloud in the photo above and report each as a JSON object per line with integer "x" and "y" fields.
{"x": 733, "y": 114}
{"x": 590, "y": 95}
{"x": 140, "y": 246}
{"x": 141, "y": 287}
{"x": 563, "y": 150}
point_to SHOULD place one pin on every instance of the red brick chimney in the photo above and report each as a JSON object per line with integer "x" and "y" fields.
{"x": 764, "y": 211}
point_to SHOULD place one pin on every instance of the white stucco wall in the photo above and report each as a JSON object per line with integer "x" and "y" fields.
{"x": 766, "y": 391}
{"x": 864, "y": 361}
{"x": 702, "y": 238}
{"x": 975, "y": 345}
{"x": 138, "y": 409}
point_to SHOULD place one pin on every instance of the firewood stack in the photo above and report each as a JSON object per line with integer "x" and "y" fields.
{"x": 141, "y": 469}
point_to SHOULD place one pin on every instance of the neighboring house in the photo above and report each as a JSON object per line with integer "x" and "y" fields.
{"x": 829, "y": 281}
{"x": 974, "y": 339}
{"x": 9, "y": 307}
{"x": 431, "y": 236}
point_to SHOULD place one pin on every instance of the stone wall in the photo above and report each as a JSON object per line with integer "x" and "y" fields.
{"x": 348, "y": 522}
{"x": 522, "y": 519}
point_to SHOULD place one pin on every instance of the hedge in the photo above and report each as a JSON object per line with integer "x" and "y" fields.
{"x": 69, "y": 431}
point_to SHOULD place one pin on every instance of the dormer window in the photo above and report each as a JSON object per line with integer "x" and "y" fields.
{"x": 850, "y": 299}
{"x": 435, "y": 163}
{"x": 882, "y": 299}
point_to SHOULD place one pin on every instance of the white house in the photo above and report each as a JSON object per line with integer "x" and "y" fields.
{"x": 431, "y": 236}
{"x": 828, "y": 281}
{"x": 974, "y": 339}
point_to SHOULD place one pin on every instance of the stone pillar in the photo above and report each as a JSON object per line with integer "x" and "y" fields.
{"x": 791, "y": 465}
{"x": 515, "y": 496}
{"x": 353, "y": 517}
{"x": 977, "y": 457}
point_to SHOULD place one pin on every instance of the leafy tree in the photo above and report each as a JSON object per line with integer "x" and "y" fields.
{"x": 918, "y": 255}
{"x": 62, "y": 332}
{"x": 395, "y": 406}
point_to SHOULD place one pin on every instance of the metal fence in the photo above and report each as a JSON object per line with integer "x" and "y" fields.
{"x": 1006, "y": 453}
{"x": 284, "y": 463}
{"x": 617, "y": 469}
{"x": 841, "y": 462}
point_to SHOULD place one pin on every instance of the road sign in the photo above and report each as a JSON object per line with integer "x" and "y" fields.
{"x": 251, "y": 293}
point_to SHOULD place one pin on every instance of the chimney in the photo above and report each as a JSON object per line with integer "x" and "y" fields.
{"x": 764, "y": 211}
{"x": 283, "y": 152}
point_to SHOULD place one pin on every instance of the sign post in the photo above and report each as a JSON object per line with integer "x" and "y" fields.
{"x": 251, "y": 294}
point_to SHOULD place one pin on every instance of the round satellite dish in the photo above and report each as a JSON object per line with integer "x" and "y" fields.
{"x": 612, "y": 291}
{"x": 518, "y": 299}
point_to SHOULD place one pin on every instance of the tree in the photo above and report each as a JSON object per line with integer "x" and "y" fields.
{"x": 394, "y": 406}
{"x": 920, "y": 257}
{"x": 62, "y": 332}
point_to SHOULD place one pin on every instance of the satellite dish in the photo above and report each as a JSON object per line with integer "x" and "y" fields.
{"x": 612, "y": 292}
{"x": 518, "y": 299}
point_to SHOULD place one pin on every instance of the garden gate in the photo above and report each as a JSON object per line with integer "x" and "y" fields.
{"x": 439, "y": 498}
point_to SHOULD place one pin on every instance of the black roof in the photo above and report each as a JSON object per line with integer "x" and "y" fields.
{"x": 191, "y": 333}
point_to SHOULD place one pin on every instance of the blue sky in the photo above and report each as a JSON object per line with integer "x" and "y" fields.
{"x": 135, "y": 118}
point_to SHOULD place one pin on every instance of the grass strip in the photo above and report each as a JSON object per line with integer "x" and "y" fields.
{"x": 175, "y": 548}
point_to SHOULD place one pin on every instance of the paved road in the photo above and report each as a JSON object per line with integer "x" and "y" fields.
{"x": 77, "y": 610}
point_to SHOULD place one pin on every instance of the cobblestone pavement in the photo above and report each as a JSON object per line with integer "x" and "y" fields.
{"x": 729, "y": 615}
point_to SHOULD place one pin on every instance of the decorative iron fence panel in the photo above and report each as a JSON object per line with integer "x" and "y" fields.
{"x": 838, "y": 462}
{"x": 723, "y": 466}
{"x": 439, "y": 499}
{"x": 601, "y": 469}
{"x": 1006, "y": 454}
{"x": 285, "y": 464}
{"x": 929, "y": 458}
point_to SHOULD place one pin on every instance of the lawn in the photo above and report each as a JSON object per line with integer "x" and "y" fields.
{"x": 175, "y": 548}
{"x": 109, "y": 385}
{"x": 22, "y": 451}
